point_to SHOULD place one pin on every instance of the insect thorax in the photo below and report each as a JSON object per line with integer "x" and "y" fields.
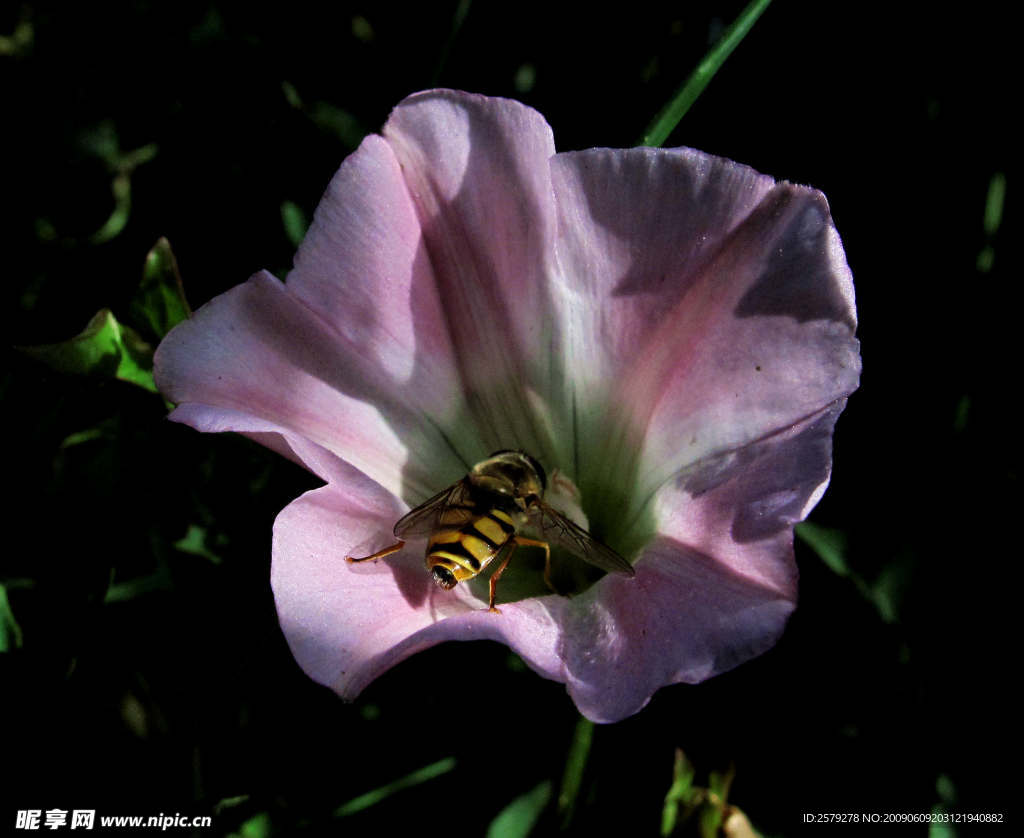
{"x": 509, "y": 474}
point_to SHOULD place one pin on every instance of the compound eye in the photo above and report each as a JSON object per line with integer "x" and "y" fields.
{"x": 444, "y": 577}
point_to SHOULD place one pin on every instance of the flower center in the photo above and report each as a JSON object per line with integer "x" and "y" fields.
{"x": 570, "y": 574}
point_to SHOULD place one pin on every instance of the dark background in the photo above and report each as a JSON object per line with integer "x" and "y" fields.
{"x": 151, "y": 679}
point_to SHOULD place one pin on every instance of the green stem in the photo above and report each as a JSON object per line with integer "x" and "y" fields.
{"x": 371, "y": 798}
{"x": 668, "y": 118}
{"x": 575, "y": 764}
{"x": 457, "y": 20}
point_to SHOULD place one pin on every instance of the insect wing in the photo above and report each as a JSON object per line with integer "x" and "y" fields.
{"x": 558, "y": 529}
{"x": 423, "y": 519}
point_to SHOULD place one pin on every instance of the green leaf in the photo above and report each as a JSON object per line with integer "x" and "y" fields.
{"x": 291, "y": 95}
{"x": 889, "y": 588}
{"x": 709, "y": 820}
{"x": 194, "y": 542}
{"x": 668, "y": 118}
{"x": 295, "y": 222}
{"x": 258, "y": 826}
{"x": 362, "y": 29}
{"x": 885, "y": 593}
{"x": 518, "y": 819}
{"x": 229, "y": 803}
{"x": 19, "y": 42}
{"x": 830, "y": 545}
{"x": 10, "y": 632}
{"x": 994, "y": 201}
{"x": 372, "y": 798}
{"x": 104, "y": 348}
{"x": 344, "y": 125}
{"x": 945, "y": 789}
{"x": 525, "y": 78}
{"x": 680, "y": 792}
{"x": 719, "y": 783}
{"x": 121, "y": 190}
{"x": 82, "y": 437}
{"x": 160, "y": 301}
{"x": 712, "y": 814}
{"x": 103, "y": 143}
{"x": 158, "y": 580}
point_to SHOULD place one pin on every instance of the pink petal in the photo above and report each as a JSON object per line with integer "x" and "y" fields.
{"x": 634, "y": 227}
{"x": 709, "y": 306}
{"x": 477, "y": 170}
{"x": 662, "y": 323}
{"x": 354, "y": 352}
{"x": 764, "y": 340}
{"x": 716, "y": 586}
{"x": 363, "y": 267}
{"x": 683, "y": 618}
{"x": 348, "y": 623}
{"x": 257, "y": 349}
{"x": 288, "y": 444}
{"x": 694, "y": 609}
{"x": 741, "y": 505}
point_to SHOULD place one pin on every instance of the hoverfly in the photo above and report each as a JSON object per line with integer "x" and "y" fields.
{"x": 477, "y": 520}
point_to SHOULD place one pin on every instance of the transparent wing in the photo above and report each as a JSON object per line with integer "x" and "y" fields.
{"x": 423, "y": 519}
{"x": 557, "y": 529}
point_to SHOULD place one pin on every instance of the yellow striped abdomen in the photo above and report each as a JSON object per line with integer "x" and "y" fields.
{"x": 465, "y": 542}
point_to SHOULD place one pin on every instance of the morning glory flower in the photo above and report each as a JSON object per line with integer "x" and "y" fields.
{"x": 670, "y": 334}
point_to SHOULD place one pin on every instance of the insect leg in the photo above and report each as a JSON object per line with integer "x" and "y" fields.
{"x": 509, "y": 547}
{"x": 529, "y": 542}
{"x": 380, "y": 554}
